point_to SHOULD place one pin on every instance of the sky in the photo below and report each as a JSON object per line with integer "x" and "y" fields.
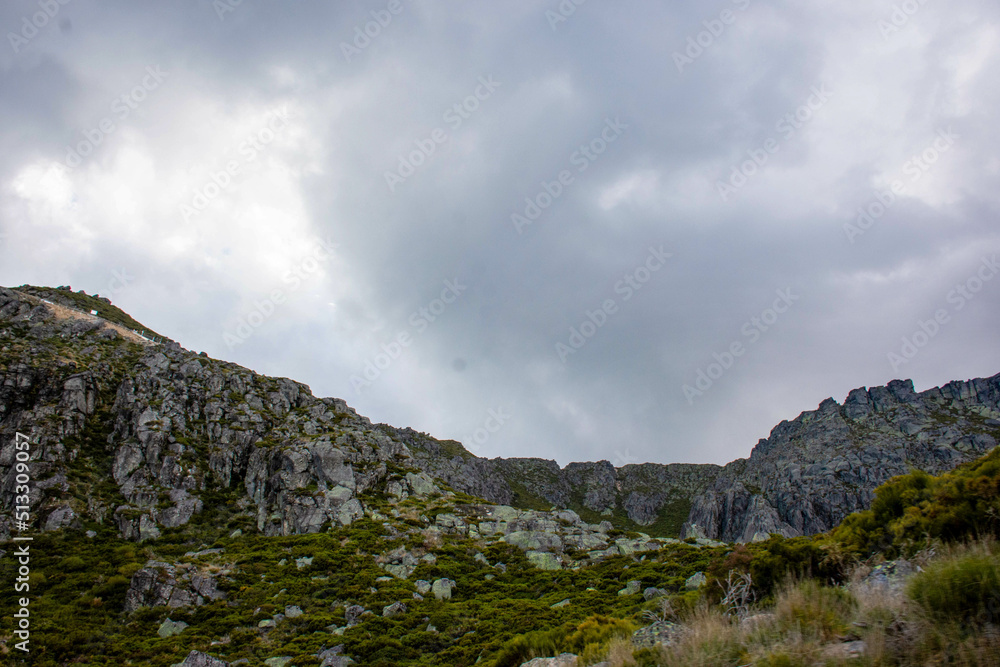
{"x": 575, "y": 230}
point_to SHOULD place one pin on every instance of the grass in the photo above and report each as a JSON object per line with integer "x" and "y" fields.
{"x": 946, "y": 614}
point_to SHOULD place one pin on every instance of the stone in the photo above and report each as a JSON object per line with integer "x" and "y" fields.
{"x": 352, "y": 613}
{"x": 60, "y": 517}
{"x": 544, "y": 560}
{"x": 631, "y": 588}
{"x": 562, "y": 660}
{"x": 305, "y": 561}
{"x": 199, "y": 659}
{"x": 394, "y": 609}
{"x": 293, "y": 611}
{"x": 442, "y": 589}
{"x": 266, "y": 623}
{"x": 157, "y": 584}
{"x": 278, "y": 661}
{"x": 652, "y": 592}
{"x": 170, "y": 628}
{"x": 560, "y": 604}
{"x": 695, "y": 581}
{"x": 423, "y": 587}
{"x": 660, "y": 633}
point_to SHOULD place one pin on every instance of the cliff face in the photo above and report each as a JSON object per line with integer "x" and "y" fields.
{"x": 130, "y": 429}
{"x": 816, "y": 469}
{"x": 143, "y": 434}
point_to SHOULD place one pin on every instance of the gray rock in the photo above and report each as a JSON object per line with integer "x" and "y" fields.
{"x": 423, "y": 587}
{"x": 825, "y": 464}
{"x": 562, "y": 660}
{"x": 199, "y": 659}
{"x": 631, "y": 588}
{"x": 170, "y": 628}
{"x": 278, "y": 661}
{"x": 353, "y": 614}
{"x": 60, "y": 517}
{"x": 661, "y": 633}
{"x": 157, "y": 584}
{"x": 653, "y": 592}
{"x": 394, "y": 609}
{"x": 293, "y": 611}
{"x": 442, "y": 588}
{"x": 695, "y": 581}
{"x": 544, "y": 560}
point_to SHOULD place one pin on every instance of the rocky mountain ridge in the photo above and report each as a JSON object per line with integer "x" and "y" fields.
{"x": 144, "y": 434}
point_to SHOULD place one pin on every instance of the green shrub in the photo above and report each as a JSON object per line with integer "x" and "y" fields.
{"x": 592, "y": 636}
{"x": 910, "y": 509}
{"x": 72, "y": 564}
{"x": 964, "y": 588}
{"x": 814, "y": 610}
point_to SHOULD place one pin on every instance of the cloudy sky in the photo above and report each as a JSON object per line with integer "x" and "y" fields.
{"x": 622, "y": 231}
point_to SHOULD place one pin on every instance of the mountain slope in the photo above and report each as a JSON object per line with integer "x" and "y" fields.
{"x": 145, "y": 434}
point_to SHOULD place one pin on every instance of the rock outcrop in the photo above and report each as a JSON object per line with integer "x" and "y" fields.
{"x": 825, "y": 464}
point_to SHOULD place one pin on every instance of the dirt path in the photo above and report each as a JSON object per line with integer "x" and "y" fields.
{"x": 62, "y": 312}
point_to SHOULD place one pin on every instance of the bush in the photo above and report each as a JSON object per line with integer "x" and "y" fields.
{"x": 72, "y": 564}
{"x": 814, "y": 610}
{"x": 593, "y": 637}
{"x": 964, "y": 587}
{"x": 910, "y": 509}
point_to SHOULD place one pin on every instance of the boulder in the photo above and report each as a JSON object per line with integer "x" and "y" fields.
{"x": 170, "y": 628}
{"x": 695, "y": 581}
{"x": 442, "y": 588}
{"x": 544, "y": 560}
{"x": 394, "y": 609}
{"x": 199, "y": 659}
{"x": 562, "y": 660}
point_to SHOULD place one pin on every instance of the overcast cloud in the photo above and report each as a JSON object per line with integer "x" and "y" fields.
{"x": 281, "y": 190}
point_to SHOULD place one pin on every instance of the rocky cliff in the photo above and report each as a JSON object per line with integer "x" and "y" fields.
{"x": 816, "y": 469}
{"x": 130, "y": 428}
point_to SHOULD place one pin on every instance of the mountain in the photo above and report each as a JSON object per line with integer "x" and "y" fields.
{"x": 186, "y": 511}
{"x": 133, "y": 429}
